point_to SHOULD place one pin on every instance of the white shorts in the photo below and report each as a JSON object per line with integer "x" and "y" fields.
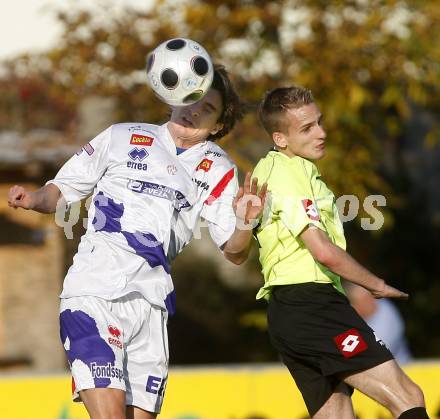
{"x": 120, "y": 344}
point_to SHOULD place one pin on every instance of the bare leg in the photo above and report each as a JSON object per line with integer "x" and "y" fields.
{"x": 104, "y": 403}
{"x": 338, "y": 406}
{"x": 137, "y": 413}
{"x": 388, "y": 385}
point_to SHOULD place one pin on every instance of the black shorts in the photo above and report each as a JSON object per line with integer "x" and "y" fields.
{"x": 319, "y": 336}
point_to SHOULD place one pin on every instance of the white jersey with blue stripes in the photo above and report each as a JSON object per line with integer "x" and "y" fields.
{"x": 146, "y": 204}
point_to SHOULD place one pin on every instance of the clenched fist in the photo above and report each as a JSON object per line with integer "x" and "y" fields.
{"x": 18, "y": 197}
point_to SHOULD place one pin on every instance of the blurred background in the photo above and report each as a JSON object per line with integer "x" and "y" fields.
{"x": 69, "y": 69}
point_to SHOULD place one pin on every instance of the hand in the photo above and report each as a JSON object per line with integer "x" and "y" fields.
{"x": 388, "y": 292}
{"x": 18, "y": 197}
{"x": 248, "y": 204}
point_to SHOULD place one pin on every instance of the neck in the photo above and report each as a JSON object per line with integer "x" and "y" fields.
{"x": 180, "y": 140}
{"x": 285, "y": 151}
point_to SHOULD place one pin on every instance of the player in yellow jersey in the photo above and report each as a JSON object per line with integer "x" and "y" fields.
{"x": 326, "y": 345}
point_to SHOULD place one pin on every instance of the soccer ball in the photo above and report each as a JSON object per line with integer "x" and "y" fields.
{"x": 179, "y": 71}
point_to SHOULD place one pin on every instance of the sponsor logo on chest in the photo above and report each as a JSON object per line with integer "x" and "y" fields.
{"x": 205, "y": 165}
{"x": 177, "y": 198}
{"x": 201, "y": 184}
{"x": 143, "y": 140}
{"x": 171, "y": 169}
{"x": 137, "y": 155}
{"x": 213, "y": 153}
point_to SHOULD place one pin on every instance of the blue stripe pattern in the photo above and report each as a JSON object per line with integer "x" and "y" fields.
{"x": 170, "y": 302}
{"x": 147, "y": 246}
{"x": 108, "y": 218}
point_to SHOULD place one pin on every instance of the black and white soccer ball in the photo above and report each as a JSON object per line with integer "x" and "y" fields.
{"x": 179, "y": 71}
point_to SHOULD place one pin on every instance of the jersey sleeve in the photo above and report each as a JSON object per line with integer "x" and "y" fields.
{"x": 217, "y": 209}
{"x": 78, "y": 176}
{"x": 293, "y": 199}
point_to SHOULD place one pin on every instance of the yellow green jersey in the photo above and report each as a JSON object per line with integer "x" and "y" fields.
{"x": 297, "y": 199}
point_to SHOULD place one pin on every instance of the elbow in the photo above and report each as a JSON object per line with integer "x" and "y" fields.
{"x": 324, "y": 256}
{"x": 240, "y": 261}
{"x": 236, "y": 258}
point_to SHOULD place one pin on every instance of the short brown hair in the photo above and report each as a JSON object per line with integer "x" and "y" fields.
{"x": 277, "y": 101}
{"x": 233, "y": 108}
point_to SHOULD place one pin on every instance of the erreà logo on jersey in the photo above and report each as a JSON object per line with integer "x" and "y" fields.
{"x": 138, "y": 139}
{"x": 310, "y": 209}
{"x": 205, "y": 165}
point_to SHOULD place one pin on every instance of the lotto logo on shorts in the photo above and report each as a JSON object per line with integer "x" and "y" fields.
{"x": 350, "y": 343}
{"x": 138, "y": 139}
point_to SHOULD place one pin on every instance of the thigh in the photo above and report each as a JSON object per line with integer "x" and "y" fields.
{"x": 146, "y": 362}
{"x": 104, "y": 403}
{"x": 137, "y": 413}
{"x": 388, "y": 384}
{"x": 316, "y": 389}
{"x": 95, "y": 354}
{"x": 338, "y": 405}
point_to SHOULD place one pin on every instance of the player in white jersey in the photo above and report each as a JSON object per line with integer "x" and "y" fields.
{"x": 151, "y": 185}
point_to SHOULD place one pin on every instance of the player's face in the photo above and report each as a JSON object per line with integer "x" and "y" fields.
{"x": 305, "y": 136}
{"x": 194, "y": 123}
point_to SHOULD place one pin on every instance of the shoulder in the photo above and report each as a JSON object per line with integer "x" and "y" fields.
{"x": 276, "y": 167}
{"x": 130, "y": 134}
{"x": 134, "y": 129}
{"x": 265, "y": 167}
{"x": 283, "y": 174}
{"x": 217, "y": 158}
{"x": 217, "y": 169}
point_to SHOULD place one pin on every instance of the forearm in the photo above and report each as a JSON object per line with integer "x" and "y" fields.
{"x": 236, "y": 249}
{"x": 341, "y": 263}
{"x": 338, "y": 260}
{"x": 45, "y": 199}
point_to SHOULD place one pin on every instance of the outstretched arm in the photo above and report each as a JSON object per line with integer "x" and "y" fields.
{"x": 248, "y": 206}
{"x": 42, "y": 200}
{"x": 341, "y": 263}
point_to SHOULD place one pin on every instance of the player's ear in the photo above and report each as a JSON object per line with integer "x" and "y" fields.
{"x": 279, "y": 139}
{"x": 218, "y": 127}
